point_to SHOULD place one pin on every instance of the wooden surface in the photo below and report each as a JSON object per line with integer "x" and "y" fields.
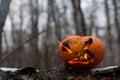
{"x": 29, "y": 73}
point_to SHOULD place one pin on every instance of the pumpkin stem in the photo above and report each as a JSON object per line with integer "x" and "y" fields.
{"x": 81, "y": 33}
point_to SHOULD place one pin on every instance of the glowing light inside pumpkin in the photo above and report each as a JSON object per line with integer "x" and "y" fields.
{"x": 67, "y": 49}
{"x": 85, "y": 57}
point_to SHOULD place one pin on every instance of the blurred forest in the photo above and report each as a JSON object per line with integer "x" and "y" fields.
{"x": 29, "y": 29}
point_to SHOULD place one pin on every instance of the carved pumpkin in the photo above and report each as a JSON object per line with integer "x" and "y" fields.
{"x": 81, "y": 52}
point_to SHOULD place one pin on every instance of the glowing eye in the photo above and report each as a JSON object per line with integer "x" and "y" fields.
{"x": 88, "y": 43}
{"x": 66, "y": 47}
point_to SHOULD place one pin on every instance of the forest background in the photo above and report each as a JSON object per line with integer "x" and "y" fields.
{"x": 29, "y": 29}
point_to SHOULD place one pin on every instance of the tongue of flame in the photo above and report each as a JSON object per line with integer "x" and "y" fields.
{"x": 66, "y": 48}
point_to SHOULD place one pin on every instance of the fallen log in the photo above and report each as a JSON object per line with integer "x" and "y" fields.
{"x": 62, "y": 73}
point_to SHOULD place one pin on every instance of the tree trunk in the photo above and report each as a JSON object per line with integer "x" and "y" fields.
{"x": 116, "y": 18}
{"x": 117, "y": 24}
{"x": 78, "y": 17}
{"x": 92, "y": 18}
{"x": 4, "y": 8}
{"x": 56, "y": 19}
{"x": 34, "y": 32}
{"x": 109, "y": 35}
{"x": 48, "y": 36}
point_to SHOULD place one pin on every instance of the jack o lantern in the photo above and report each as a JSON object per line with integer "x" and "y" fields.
{"x": 81, "y": 51}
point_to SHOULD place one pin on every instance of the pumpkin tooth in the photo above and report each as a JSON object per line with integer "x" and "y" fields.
{"x": 75, "y": 59}
{"x": 86, "y": 56}
{"x": 81, "y": 58}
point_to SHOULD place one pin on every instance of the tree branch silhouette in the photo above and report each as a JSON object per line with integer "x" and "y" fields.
{"x": 20, "y": 46}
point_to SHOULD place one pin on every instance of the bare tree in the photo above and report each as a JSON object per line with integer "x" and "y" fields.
{"x": 78, "y": 17}
{"x": 108, "y": 35}
{"x": 92, "y": 18}
{"x": 4, "y": 8}
{"x": 48, "y": 35}
{"x": 17, "y": 37}
{"x": 116, "y": 18}
{"x": 117, "y": 26}
{"x": 34, "y": 32}
{"x": 52, "y": 31}
{"x": 56, "y": 19}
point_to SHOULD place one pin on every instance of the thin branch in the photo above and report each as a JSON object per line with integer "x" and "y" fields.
{"x": 20, "y": 46}
{"x": 5, "y": 39}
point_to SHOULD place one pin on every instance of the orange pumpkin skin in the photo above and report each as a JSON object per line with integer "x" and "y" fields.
{"x": 81, "y": 52}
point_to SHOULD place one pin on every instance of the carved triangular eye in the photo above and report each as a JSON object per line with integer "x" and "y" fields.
{"x": 66, "y": 47}
{"x": 87, "y": 44}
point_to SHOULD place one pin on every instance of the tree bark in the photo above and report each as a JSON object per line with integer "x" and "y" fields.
{"x": 116, "y": 18}
{"x": 4, "y": 8}
{"x": 109, "y": 35}
{"x": 34, "y": 31}
{"x": 78, "y": 17}
{"x": 56, "y": 19}
{"x": 48, "y": 34}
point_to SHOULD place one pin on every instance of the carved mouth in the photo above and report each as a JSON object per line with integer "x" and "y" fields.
{"x": 84, "y": 59}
